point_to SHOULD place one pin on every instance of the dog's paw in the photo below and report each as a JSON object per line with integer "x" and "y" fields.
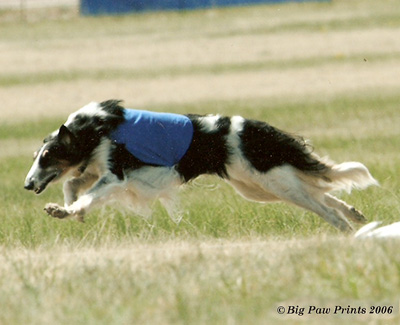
{"x": 56, "y": 211}
{"x": 358, "y": 216}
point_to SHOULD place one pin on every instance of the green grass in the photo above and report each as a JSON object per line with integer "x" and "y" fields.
{"x": 229, "y": 261}
{"x": 214, "y": 210}
{"x": 212, "y": 23}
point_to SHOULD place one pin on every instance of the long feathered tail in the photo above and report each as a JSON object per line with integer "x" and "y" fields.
{"x": 328, "y": 176}
{"x": 349, "y": 175}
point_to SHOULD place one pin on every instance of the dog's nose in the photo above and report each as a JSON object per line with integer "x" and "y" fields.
{"x": 29, "y": 185}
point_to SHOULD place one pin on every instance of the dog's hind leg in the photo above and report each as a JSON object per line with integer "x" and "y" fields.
{"x": 313, "y": 204}
{"x": 283, "y": 183}
{"x": 251, "y": 191}
{"x": 348, "y": 210}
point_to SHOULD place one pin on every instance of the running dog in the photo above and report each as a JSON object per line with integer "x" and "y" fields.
{"x": 107, "y": 152}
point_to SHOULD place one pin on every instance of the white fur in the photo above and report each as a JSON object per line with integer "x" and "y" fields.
{"x": 349, "y": 175}
{"x": 96, "y": 185}
{"x": 285, "y": 183}
{"x": 138, "y": 191}
{"x": 209, "y": 122}
{"x": 35, "y": 166}
{"x": 371, "y": 231}
{"x": 91, "y": 109}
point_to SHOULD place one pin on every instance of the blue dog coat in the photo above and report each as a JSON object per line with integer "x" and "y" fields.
{"x": 160, "y": 139}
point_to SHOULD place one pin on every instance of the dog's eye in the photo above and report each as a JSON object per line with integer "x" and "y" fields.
{"x": 46, "y": 159}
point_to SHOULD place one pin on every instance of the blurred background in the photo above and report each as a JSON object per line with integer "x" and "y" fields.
{"x": 60, "y": 59}
{"x": 327, "y": 70}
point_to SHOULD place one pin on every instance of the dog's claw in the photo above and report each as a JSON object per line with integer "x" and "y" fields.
{"x": 358, "y": 216}
{"x": 55, "y": 211}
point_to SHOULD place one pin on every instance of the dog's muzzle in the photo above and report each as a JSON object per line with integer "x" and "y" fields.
{"x": 31, "y": 185}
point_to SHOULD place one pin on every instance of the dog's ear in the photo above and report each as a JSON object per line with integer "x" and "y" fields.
{"x": 65, "y": 136}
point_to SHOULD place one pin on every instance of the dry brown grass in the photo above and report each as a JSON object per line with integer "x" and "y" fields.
{"x": 289, "y": 51}
{"x": 298, "y": 66}
{"x": 201, "y": 282}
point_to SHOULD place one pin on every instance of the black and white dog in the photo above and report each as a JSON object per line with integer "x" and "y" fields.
{"x": 107, "y": 153}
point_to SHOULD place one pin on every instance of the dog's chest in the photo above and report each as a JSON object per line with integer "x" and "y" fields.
{"x": 160, "y": 139}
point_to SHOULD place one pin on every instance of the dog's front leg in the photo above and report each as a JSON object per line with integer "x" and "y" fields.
{"x": 100, "y": 192}
{"x": 76, "y": 185}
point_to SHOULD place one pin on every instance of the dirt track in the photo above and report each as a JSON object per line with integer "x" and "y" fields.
{"x": 239, "y": 61}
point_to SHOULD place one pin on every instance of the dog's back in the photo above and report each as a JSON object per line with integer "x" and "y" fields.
{"x": 261, "y": 162}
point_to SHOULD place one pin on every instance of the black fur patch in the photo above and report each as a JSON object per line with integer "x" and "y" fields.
{"x": 58, "y": 150}
{"x": 113, "y": 107}
{"x": 55, "y": 153}
{"x": 90, "y": 129}
{"x": 267, "y": 147}
{"x": 208, "y": 152}
{"x": 122, "y": 160}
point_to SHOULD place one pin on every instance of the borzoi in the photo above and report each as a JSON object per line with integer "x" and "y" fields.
{"x": 107, "y": 152}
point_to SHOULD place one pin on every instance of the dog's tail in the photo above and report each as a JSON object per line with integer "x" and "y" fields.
{"x": 337, "y": 177}
{"x": 349, "y": 175}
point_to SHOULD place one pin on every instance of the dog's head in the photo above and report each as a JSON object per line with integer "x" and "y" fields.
{"x": 57, "y": 156}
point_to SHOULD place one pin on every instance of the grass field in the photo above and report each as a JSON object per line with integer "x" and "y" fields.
{"x": 328, "y": 71}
